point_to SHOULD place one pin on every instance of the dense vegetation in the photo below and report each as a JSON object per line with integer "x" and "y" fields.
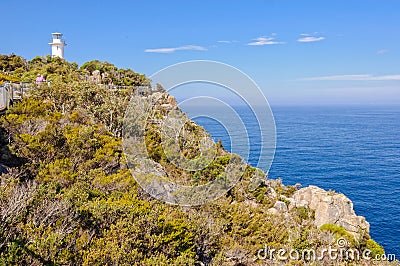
{"x": 69, "y": 198}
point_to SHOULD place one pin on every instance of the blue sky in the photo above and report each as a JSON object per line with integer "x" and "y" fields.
{"x": 298, "y": 52}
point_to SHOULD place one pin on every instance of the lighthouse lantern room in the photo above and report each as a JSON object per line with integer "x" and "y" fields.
{"x": 57, "y": 45}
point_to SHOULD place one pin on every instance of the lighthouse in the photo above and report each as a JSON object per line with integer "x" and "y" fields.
{"x": 57, "y": 45}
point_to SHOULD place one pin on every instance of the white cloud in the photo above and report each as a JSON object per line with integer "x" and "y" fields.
{"x": 310, "y": 37}
{"x": 383, "y": 51}
{"x": 174, "y": 49}
{"x": 265, "y": 41}
{"x": 363, "y": 77}
{"x": 226, "y": 41}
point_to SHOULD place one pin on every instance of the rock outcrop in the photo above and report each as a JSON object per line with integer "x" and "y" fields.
{"x": 166, "y": 102}
{"x": 95, "y": 77}
{"x": 330, "y": 207}
{"x": 280, "y": 206}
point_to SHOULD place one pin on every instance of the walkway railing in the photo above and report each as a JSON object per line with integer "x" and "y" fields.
{"x": 10, "y": 92}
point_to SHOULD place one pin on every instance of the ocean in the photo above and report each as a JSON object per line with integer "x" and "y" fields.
{"x": 353, "y": 150}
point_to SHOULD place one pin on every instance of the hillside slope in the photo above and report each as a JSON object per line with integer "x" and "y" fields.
{"x": 68, "y": 197}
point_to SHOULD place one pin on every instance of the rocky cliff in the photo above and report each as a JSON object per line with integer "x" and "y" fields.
{"x": 69, "y": 198}
{"x": 330, "y": 208}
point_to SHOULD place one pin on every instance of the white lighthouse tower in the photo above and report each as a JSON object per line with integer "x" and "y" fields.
{"x": 57, "y": 45}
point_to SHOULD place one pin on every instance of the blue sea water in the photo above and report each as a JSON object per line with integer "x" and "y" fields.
{"x": 352, "y": 150}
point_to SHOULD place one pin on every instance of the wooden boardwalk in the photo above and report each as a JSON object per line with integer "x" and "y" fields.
{"x": 11, "y": 92}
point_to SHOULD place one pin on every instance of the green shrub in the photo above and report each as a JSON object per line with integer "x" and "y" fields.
{"x": 339, "y": 232}
{"x": 375, "y": 248}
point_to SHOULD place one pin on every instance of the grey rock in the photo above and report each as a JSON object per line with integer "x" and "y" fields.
{"x": 286, "y": 199}
{"x": 280, "y": 206}
{"x": 272, "y": 192}
{"x": 297, "y": 204}
{"x": 273, "y": 211}
{"x": 96, "y": 77}
{"x": 330, "y": 207}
